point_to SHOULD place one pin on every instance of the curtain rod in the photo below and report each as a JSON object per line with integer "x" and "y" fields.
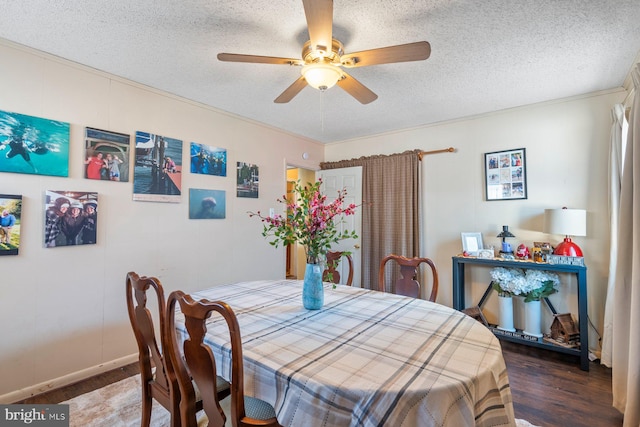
{"x": 426, "y": 153}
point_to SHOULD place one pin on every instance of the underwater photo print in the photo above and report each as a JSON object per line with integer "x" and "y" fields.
{"x": 208, "y": 160}
{"x": 10, "y": 221}
{"x": 157, "y": 175}
{"x": 33, "y": 145}
{"x": 70, "y": 218}
{"x": 207, "y": 204}
{"x": 106, "y": 155}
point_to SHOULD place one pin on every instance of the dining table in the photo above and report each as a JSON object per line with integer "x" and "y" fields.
{"x": 366, "y": 358}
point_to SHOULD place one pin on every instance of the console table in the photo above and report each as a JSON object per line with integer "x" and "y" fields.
{"x": 459, "y": 264}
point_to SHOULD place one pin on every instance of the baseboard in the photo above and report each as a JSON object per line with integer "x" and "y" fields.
{"x": 18, "y": 395}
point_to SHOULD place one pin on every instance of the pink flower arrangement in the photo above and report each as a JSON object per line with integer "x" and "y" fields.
{"x": 309, "y": 221}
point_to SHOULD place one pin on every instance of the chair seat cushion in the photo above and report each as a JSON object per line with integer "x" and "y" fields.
{"x": 254, "y": 408}
{"x": 258, "y": 409}
{"x": 221, "y": 384}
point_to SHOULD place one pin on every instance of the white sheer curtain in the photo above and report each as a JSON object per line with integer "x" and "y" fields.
{"x": 616, "y": 153}
{"x": 626, "y": 295}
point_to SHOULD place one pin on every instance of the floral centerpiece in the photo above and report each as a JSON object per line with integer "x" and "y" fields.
{"x": 312, "y": 222}
{"x": 532, "y": 284}
{"x": 309, "y": 221}
{"x": 507, "y": 281}
{"x": 540, "y": 284}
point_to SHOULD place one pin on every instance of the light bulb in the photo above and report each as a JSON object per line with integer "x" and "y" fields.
{"x": 321, "y": 76}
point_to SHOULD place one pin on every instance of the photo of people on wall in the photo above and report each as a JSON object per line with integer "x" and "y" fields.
{"x": 106, "y": 155}
{"x": 10, "y": 221}
{"x": 511, "y": 182}
{"x": 71, "y": 218}
{"x": 247, "y": 182}
{"x": 208, "y": 160}
{"x": 33, "y": 145}
{"x": 157, "y": 174}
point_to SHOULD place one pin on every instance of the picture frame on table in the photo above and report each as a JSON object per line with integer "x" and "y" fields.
{"x": 471, "y": 243}
{"x": 506, "y": 175}
{"x": 486, "y": 253}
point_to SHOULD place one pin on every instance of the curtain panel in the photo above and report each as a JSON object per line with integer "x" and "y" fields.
{"x": 390, "y": 211}
{"x": 626, "y": 295}
{"x": 615, "y": 177}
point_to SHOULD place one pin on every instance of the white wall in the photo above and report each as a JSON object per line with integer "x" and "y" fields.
{"x": 567, "y": 145}
{"x": 63, "y": 309}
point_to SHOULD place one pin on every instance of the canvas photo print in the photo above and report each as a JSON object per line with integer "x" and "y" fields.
{"x": 106, "y": 155}
{"x": 207, "y": 204}
{"x": 10, "y": 221}
{"x": 247, "y": 181}
{"x": 157, "y": 175}
{"x": 208, "y": 160}
{"x": 71, "y": 218}
{"x": 33, "y": 145}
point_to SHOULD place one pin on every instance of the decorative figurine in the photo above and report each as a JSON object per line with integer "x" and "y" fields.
{"x": 522, "y": 252}
{"x": 506, "y": 252}
{"x": 537, "y": 254}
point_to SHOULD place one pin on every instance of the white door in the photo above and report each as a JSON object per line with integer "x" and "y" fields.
{"x": 351, "y": 180}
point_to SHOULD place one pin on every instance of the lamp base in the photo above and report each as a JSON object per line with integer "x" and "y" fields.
{"x": 567, "y": 248}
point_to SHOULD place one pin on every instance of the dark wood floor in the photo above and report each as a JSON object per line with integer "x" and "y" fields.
{"x": 548, "y": 389}
{"x": 85, "y": 386}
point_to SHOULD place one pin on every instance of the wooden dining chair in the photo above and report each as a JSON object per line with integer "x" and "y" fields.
{"x": 407, "y": 284}
{"x": 199, "y": 363}
{"x": 159, "y": 384}
{"x": 330, "y": 274}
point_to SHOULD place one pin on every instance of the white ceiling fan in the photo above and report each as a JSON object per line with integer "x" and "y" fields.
{"x": 323, "y": 57}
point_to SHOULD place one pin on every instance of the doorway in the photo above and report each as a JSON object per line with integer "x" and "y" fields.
{"x": 296, "y": 260}
{"x": 333, "y": 180}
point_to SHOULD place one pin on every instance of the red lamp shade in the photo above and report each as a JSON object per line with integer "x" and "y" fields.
{"x": 567, "y": 248}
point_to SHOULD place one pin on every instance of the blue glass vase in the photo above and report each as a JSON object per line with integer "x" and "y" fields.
{"x": 312, "y": 288}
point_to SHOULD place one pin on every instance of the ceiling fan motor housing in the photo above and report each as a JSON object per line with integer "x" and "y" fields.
{"x": 314, "y": 54}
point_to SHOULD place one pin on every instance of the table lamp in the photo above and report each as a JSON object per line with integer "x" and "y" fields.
{"x": 570, "y": 222}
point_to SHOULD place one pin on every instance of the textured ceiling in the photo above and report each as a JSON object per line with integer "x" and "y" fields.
{"x": 487, "y": 55}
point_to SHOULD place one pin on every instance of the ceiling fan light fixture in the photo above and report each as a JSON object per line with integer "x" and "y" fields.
{"x": 321, "y": 76}
{"x": 323, "y": 56}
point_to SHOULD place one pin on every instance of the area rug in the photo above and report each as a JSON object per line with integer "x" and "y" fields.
{"x": 118, "y": 405}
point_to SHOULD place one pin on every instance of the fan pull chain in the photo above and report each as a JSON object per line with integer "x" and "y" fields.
{"x": 322, "y": 111}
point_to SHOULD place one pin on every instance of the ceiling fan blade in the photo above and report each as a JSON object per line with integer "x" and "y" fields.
{"x": 385, "y": 55}
{"x": 291, "y": 91}
{"x": 319, "y": 15}
{"x": 356, "y": 89}
{"x": 236, "y": 57}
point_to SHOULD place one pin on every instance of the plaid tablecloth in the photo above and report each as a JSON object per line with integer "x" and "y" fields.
{"x": 365, "y": 359}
